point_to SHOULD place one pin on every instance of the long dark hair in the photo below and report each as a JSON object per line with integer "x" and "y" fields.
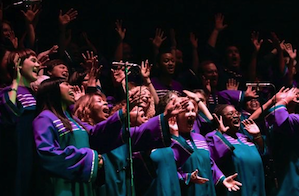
{"x": 48, "y": 97}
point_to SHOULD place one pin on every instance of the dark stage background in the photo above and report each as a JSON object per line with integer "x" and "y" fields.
{"x": 140, "y": 18}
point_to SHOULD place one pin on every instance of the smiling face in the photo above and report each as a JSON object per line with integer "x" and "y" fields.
{"x": 252, "y": 105}
{"x": 185, "y": 120}
{"x": 210, "y": 72}
{"x": 67, "y": 94}
{"x": 231, "y": 118}
{"x": 145, "y": 99}
{"x": 60, "y": 71}
{"x": 137, "y": 116}
{"x": 99, "y": 109}
{"x": 29, "y": 68}
{"x": 6, "y": 30}
{"x": 167, "y": 63}
{"x": 233, "y": 56}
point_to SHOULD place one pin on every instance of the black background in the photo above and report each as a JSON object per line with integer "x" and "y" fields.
{"x": 140, "y": 18}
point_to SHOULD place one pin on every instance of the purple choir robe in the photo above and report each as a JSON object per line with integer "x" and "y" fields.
{"x": 238, "y": 155}
{"x": 161, "y": 89}
{"x": 16, "y": 142}
{"x": 285, "y": 149}
{"x": 67, "y": 155}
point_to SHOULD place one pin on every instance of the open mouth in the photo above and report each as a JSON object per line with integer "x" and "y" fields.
{"x": 106, "y": 111}
{"x": 65, "y": 74}
{"x": 72, "y": 94}
{"x": 236, "y": 121}
{"x": 190, "y": 121}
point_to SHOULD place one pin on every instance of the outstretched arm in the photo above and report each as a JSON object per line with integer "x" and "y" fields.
{"x": 219, "y": 26}
{"x": 31, "y": 18}
{"x": 195, "y": 59}
{"x": 64, "y": 20}
{"x": 118, "y": 56}
{"x": 257, "y": 45}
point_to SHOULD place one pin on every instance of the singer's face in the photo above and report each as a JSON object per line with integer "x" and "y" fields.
{"x": 60, "y": 71}
{"x": 167, "y": 63}
{"x": 6, "y": 30}
{"x": 186, "y": 119}
{"x": 29, "y": 68}
{"x": 145, "y": 100}
{"x": 210, "y": 72}
{"x": 233, "y": 56}
{"x": 137, "y": 116}
{"x": 231, "y": 117}
{"x": 252, "y": 105}
{"x": 99, "y": 109}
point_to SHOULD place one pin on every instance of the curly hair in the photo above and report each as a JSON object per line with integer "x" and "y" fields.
{"x": 82, "y": 107}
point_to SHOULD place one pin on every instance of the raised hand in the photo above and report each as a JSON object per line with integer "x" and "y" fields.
{"x": 173, "y": 126}
{"x": 31, "y": 14}
{"x": 219, "y": 18}
{"x": 255, "y": 41}
{"x": 190, "y": 94}
{"x": 44, "y": 56}
{"x": 232, "y": 184}
{"x": 281, "y": 94}
{"x": 175, "y": 107}
{"x": 196, "y": 179}
{"x": 251, "y": 127}
{"x": 120, "y": 30}
{"x": 194, "y": 41}
{"x": 290, "y": 95}
{"x": 17, "y": 62}
{"x": 158, "y": 39}
{"x": 232, "y": 84}
{"x": 78, "y": 92}
{"x": 277, "y": 44}
{"x": 220, "y": 124}
{"x": 69, "y": 16}
{"x": 89, "y": 60}
{"x": 118, "y": 75}
{"x": 145, "y": 69}
{"x": 291, "y": 52}
{"x": 249, "y": 93}
{"x": 13, "y": 39}
{"x": 206, "y": 84}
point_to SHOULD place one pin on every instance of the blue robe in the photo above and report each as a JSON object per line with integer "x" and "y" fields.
{"x": 116, "y": 162}
{"x": 238, "y": 155}
{"x": 285, "y": 149}
{"x": 192, "y": 153}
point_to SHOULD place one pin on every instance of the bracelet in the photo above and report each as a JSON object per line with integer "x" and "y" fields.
{"x": 147, "y": 84}
{"x": 13, "y": 89}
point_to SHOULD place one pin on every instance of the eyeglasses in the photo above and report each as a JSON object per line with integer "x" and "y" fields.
{"x": 233, "y": 113}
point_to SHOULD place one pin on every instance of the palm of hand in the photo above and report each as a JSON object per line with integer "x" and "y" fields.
{"x": 65, "y": 19}
{"x": 252, "y": 128}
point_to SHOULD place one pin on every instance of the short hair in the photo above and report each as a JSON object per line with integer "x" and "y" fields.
{"x": 23, "y": 54}
{"x": 52, "y": 63}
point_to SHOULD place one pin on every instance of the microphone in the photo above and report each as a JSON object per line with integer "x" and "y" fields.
{"x": 126, "y": 64}
{"x": 259, "y": 84}
{"x": 26, "y": 2}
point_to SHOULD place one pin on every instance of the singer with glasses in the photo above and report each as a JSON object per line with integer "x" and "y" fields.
{"x": 234, "y": 152}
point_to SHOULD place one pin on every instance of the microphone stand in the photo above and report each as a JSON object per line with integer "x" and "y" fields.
{"x": 131, "y": 189}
